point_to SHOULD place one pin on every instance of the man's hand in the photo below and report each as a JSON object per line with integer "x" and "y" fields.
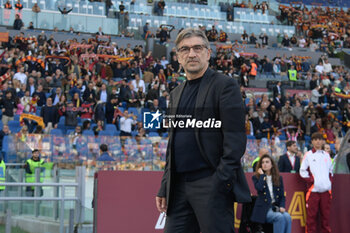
{"x": 282, "y": 210}
{"x": 161, "y": 204}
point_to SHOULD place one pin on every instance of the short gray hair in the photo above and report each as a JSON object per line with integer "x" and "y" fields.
{"x": 191, "y": 32}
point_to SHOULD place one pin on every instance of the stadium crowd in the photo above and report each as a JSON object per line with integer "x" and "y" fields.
{"x": 100, "y": 76}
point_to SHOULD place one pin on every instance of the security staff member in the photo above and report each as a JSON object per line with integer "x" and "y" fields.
{"x": 31, "y": 165}
{"x": 8, "y": 5}
{"x": 18, "y": 6}
{"x": 2, "y": 174}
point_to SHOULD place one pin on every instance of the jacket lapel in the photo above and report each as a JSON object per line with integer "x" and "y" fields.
{"x": 203, "y": 92}
{"x": 176, "y": 98}
{"x": 201, "y": 96}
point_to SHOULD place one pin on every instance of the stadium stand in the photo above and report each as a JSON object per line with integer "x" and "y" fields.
{"x": 233, "y": 57}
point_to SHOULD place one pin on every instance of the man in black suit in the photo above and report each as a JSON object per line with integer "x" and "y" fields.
{"x": 203, "y": 174}
{"x": 277, "y": 90}
{"x": 290, "y": 162}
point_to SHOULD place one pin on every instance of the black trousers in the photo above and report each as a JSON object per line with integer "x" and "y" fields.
{"x": 200, "y": 206}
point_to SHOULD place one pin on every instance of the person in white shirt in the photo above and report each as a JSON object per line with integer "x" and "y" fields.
{"x": 164, "y": 62}
{"x": 126, "y": 123}
{"x": 21, "y": 76}
{"x": 319, "y": 68}
{"x": 302, "y": 42}
{"x": 316, "y": 169}
{"x": 327, "y": 67}
{"x": 137, "y": 83}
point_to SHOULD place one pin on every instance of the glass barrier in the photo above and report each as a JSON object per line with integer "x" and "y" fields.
{"x": 147, "y": 154}
{"x": 51, "y": 19}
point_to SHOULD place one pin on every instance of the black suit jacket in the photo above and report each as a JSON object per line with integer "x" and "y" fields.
{"x": 275, "y": 91}
{"x": 284, "y": 164}
{"x": 218, "y": 97}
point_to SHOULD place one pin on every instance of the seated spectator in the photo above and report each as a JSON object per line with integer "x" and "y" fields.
{"x": 270, "y": 204}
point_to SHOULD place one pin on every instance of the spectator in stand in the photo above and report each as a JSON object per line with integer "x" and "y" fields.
{"x": 302, "y": 42}
{"x": 36, "y": 9}
{"x": 65, "y": 11}
{"x": 18, "y": 23}
{"x": 212, "y": 34}
{"x": 21, "y": 76}
{"x": 160, "y": 7}
{"x": 18, "y": 6}
{"x": 71, "y": 115}
{"x": 50, "y": 115}
{"x": 276, "y": 68}
{"x": 5, "y": 131}
{"x": 223, "y": 36}
{"x": 327, "y": 67}
{"x": 316, "y": 169}
{"x": 290, "y": 162}
{"x": 244, "y": 37}
{"x": 109, "y": 4}
{"x": 163, "y": 35}
{"x": 121, "y": 7}
{"x": 104, "y": 154}
{"x": 126, "y": 123}
{"x": 264, "y": 40}
{"x": 8, "y": 107}
{"x": 146, "y": 31}
{"x": 138, "y": 83}
{"x": 253, "y": 39}
{"x": 286, "y": 41}
{"x": 132, "y": 97}
{"x": 100, "y": 32}
{"x": 41, "y": 96}
{"x": 8, "y": 5}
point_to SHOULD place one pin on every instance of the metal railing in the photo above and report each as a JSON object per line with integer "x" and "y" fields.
{"x": 79, "y": 197}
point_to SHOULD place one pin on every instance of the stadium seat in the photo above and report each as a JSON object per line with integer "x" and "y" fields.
{"x": 106, "y": 133}
{"x": 88, "y": 133}
{"x": 56, "y": 132}
{"x": 153, "y": 134}
{"x": 13, "y": 124}
{"x": 111, "y": 127}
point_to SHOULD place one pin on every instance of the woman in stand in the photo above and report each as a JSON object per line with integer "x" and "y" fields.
{"x": 270, "y": 204}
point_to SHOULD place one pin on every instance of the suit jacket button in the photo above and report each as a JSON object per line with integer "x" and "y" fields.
{"x": 277, "y": 196}
{"x": 264, "y": 193}
{"x": 278, "y": 189}
{"x": 228, "y": 185}
{"x": 265, "y": 200}
{"x": 264, "y": 186}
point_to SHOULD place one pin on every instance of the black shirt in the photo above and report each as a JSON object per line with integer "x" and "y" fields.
{"x": 186, "y": 151}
